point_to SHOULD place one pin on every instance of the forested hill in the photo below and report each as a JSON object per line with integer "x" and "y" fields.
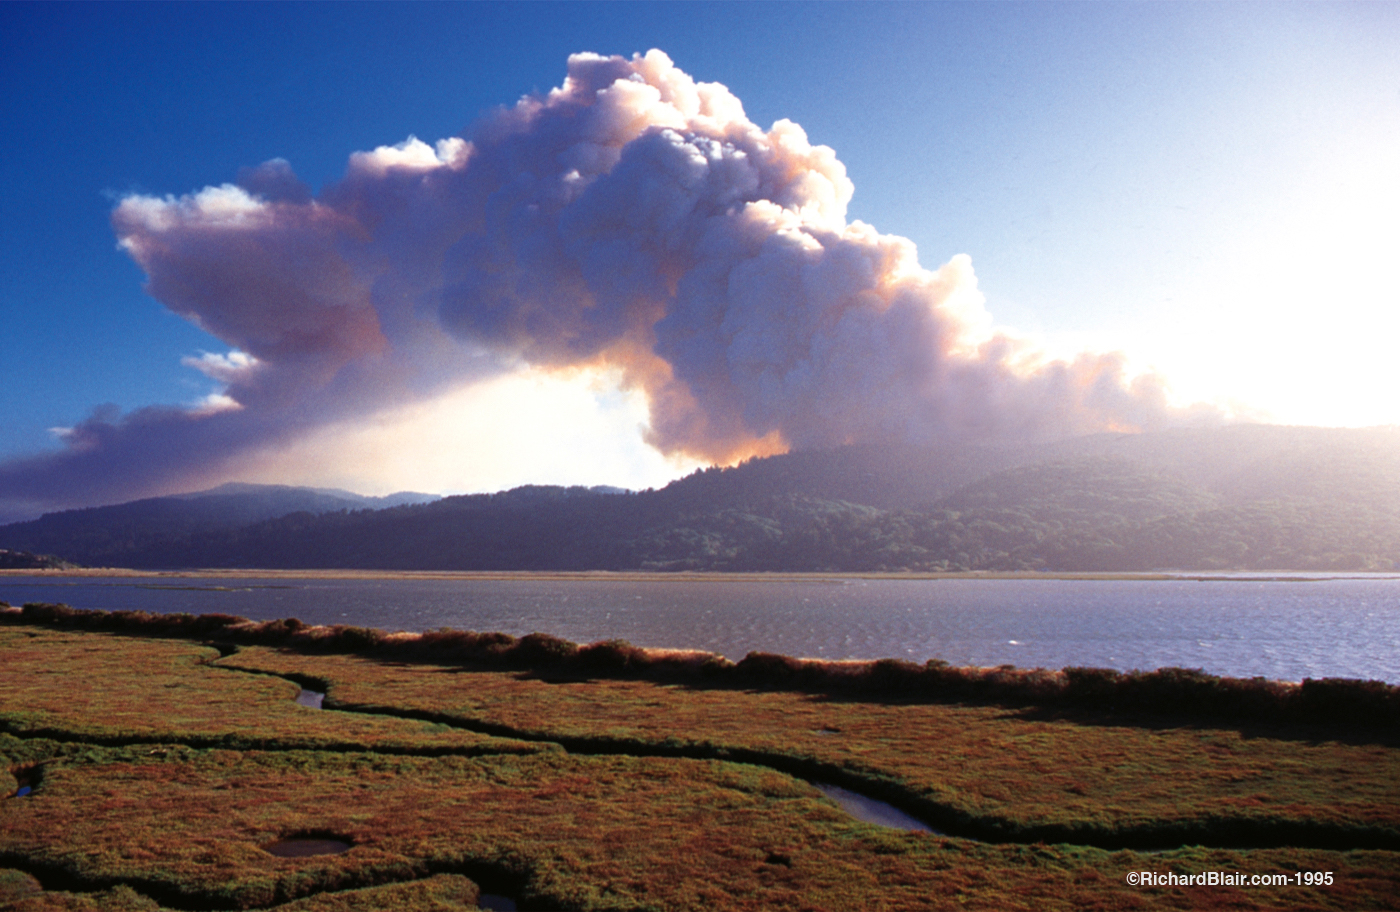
{"x": 105, "y": 534}
{"x": 1240, "y": 497}
{"x": 23, "y": 560}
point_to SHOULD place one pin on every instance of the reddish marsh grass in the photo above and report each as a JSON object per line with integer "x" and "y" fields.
{"x": 984, "y": 760}
{"x": 584, "y": 833}
{"x": 108, "y": 689}
{"x": 1173, "y": 690}
{"x": 306, "y": 846}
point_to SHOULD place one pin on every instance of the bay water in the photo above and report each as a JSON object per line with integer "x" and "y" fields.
{"x": 1285, "y": 627}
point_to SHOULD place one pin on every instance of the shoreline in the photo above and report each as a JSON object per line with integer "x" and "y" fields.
{"x": 1165, "y": 689}
{"x": 697, "y": 576}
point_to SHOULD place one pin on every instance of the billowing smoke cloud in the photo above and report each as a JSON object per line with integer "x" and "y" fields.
{"x": 633, "y": 219}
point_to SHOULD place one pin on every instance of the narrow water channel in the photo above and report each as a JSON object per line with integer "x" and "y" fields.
{"x": 872, "y": 810}
{"x": 869, "y": 810}
{"x": 861, "y": 807}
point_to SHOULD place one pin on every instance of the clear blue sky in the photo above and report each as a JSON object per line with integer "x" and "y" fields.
{"x": 1210, "y": 187}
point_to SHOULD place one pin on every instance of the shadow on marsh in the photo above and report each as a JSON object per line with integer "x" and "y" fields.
{"x": 501, "y": 886}
{"x": 1300, "y": 732}
{"x": 1305, "y": 732}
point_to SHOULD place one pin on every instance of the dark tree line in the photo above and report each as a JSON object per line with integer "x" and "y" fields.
{"x": 1256, "y": 499}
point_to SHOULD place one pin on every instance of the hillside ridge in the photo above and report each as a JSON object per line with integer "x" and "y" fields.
{"x": 1246, "y": 497}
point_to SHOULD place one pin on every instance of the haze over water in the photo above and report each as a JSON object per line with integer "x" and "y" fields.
{"x": 1285, "y": 629}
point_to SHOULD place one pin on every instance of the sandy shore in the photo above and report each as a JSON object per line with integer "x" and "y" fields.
{"x": 643, "y": 576}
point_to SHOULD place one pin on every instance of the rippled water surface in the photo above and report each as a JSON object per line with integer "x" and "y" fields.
{"x": 1286, "y": 629}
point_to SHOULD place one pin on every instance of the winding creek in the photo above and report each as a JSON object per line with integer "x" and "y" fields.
{"x": 862, "y": 807}
{"x": 874, "y": 801}
{"x": 883, "y": 803}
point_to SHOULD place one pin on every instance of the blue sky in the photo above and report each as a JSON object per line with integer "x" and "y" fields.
{"x": 1210, "y": 188}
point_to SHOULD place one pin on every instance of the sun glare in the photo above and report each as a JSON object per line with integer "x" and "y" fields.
{"x": 532, "y": 427}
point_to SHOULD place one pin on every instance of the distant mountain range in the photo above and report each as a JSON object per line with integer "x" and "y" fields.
{"x": 1254, "y": 497}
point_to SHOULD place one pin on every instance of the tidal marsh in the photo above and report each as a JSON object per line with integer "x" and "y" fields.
{"x": 1011, "y": 768}
{"x": 164, "y": 769}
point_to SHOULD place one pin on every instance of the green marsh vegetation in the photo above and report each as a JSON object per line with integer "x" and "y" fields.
{"x": 163, "y": 764}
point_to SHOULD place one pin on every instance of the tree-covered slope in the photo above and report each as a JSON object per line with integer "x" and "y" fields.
{"x": 113, "y": 534}
{"x": 1245, "y": 497}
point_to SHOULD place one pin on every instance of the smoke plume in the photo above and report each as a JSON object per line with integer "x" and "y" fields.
{"x": 632, "y": 219}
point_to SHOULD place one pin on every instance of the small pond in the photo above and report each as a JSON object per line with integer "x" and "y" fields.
{"x": 310, "y": 698}
{"x": 26, "y": 780}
